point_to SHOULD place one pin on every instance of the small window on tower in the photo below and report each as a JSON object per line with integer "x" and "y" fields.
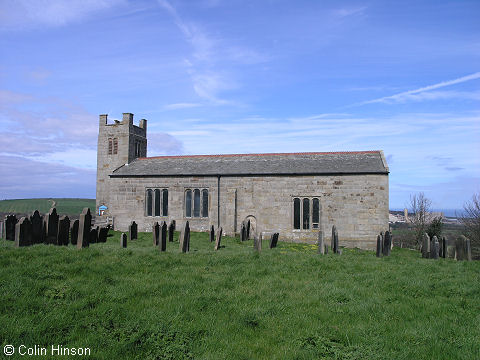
{"x": 110, "y": 146}
{"x": 115, "y": 146}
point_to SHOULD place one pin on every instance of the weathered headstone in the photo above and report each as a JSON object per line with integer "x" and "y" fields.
{"x": 212, "y": 233}
{"x": 379, "y": 246}
{"x": 425, "y": 246}
{"x": 163, "y": 237}
{"x": 133, "y": 231}
{"x": 460, "y": 248}
{"x": 387, "y": 244}
{"x": 326, "y": 249}
{"x": 468, "y": 249}
{"x": 185, "y": 238}
{"x": 435, "y": 247}
{"x": 1, "y": 229}
{"x": 123, "y": 240}
{"x": 63, "y": 230}
{"x": 321, "y": 243}
{"x": 334, "y": 229}
{"x": 93, "y": 236}
{"x": 10, "y": 222}
{"x": 103, "y": 234}
{"x": 171, "y": 231}
{"x": 22, "y": 232}
{"x": 444, "y": 246}
{"x": 74, "y": 232}
{"x": 257, "y": 242}
{"x": 218, "y": 239}
{"x": 274, "y": 240}
{"x": 84, "y": 225}
{"x": 37, "y": 224}
{"x": 51, "y": 226}
{"x": 243, "y": 232}
{"x": 155, "y": 233}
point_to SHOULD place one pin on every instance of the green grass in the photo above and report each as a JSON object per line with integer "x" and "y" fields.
{"x": 285, "y": 303}
{"x": 63, "y": 206}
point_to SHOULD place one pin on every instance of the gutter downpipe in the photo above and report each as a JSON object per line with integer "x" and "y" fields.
{"x": 218, "y": 201}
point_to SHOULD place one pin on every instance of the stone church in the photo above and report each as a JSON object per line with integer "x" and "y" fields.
{"x": 295, "y": 194}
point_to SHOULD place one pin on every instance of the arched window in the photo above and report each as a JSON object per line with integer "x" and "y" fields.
{"x": 315, "y": 213}
{"x": 157, "y": 202}
{"x": 204, "y": 203}
{"x": 149, "y": 202}
{"x": 110, "y": 146}
{"x": 115, "y": 146}
{"x": 296, "y": 213}
{"x": 165, "y": 202}
{"x": 196, "y": 203}
{"x": 188, "y": 203}
{"x": 306, "y": 213}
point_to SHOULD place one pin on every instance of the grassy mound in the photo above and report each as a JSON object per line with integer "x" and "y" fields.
{"x": 284, "y": 303}
{"x": 63, "y": 206}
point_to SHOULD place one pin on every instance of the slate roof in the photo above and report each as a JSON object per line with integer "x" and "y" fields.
{"x": 359, "y": 162}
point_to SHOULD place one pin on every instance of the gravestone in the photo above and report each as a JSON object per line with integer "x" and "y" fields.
{"x": 440, "y": 248}
{"x": 332, "y": 244}
{"x": 93, "y": 236}
{"x": 335, "y": 247}
{"x": 451, "y": 252}
{"x": 74, "y": 232}
{"x": 37, "y": 227}
{"x": 123, "y": 240}
{"x": 185, "y": 238}
{"x": 212, "y": 233}
{"x": 163, "y": 237}
{"x": 321, "y": 243}
{"x": 171, "y": 231}
{"x": 218, "y": 239}
{"x": 133, "y": 231}
{"x": 63, "y": 230}
{"x": 387, "y": 244}
{"x": 379, "y": 246}
{"x": 460, "y": 248}
{"x": 425, "y": 246}
{"x": 51, "y": 226}
{"x": 257, "y": 242}
{"x": 22, "y": 232}
{"x": 243, "y": 232}
{"x": 468, "y": 250}
{"x": 103, "y": 234}
{"x": 444, "y": 246}
{"x": 435, "y": 248}
{"x": 273, "y": 240}
{"x": 326, "y": 249}
{"x": 84, "y": 225}
{"x": 2, "y": 235}
{"x": 155, "y": 233}
{"x": 10, "y": 222}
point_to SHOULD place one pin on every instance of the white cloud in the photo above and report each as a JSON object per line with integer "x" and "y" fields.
{"x": 34, "y": 13}
{"x": 178, "y": 106}
{"x": 418, "y": 93}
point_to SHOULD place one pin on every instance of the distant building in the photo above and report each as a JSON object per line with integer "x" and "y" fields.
{"x": 295, "y": 194}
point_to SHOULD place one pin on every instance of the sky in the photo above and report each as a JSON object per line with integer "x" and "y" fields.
{"x": 223, "y": 77}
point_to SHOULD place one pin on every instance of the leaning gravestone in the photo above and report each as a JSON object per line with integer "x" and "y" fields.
{"x": 185, "y": 238}
{"x": 435, "y": 248}
{"x": 387, "y": 244}
{"x": 212, "y": 233}
{"x": 274, "y": 240}
{"x": 321, "y": 243}
{"x": 379, "y": 246}
{"x": 63, "y": 230}
{"x": 171, "y": 231}
{"x": 218, "y": 239}
{"x": 155, "y": 233}
{"x": 425, "y": 246}
{"x": 22, "y": 232}
{"x": 74, "y": 232}
{"x": 10, "y": 222}
{"x": 163, "y": 237}
{"x": 123, "y": 240}
{"x": 102, "y": 234}
{"x": 51, "y": 226}
{"x": 257, "y": 242}
{"x": 84, "y": 225}
{"x": 133, "y": 231}
{"x": 37, "y": 223}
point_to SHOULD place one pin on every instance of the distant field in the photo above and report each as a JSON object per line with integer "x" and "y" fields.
{"x": 63, "y": 206}
{"x": 284, "y": 303}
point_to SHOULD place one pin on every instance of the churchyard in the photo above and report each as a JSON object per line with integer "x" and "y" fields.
{"x": 204, "y": 295}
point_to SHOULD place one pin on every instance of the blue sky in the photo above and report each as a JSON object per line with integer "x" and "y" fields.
{"x": 217, "y": 77}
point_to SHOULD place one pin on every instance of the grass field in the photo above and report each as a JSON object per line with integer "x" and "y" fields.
{"x": 285, "y": 303}
{"x": 63, "y": 206}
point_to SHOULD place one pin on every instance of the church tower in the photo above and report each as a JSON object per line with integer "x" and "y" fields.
{"x": 118, "y": 144}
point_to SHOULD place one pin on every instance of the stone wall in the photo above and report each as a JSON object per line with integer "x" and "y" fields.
{"x": 356, "y": 204}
